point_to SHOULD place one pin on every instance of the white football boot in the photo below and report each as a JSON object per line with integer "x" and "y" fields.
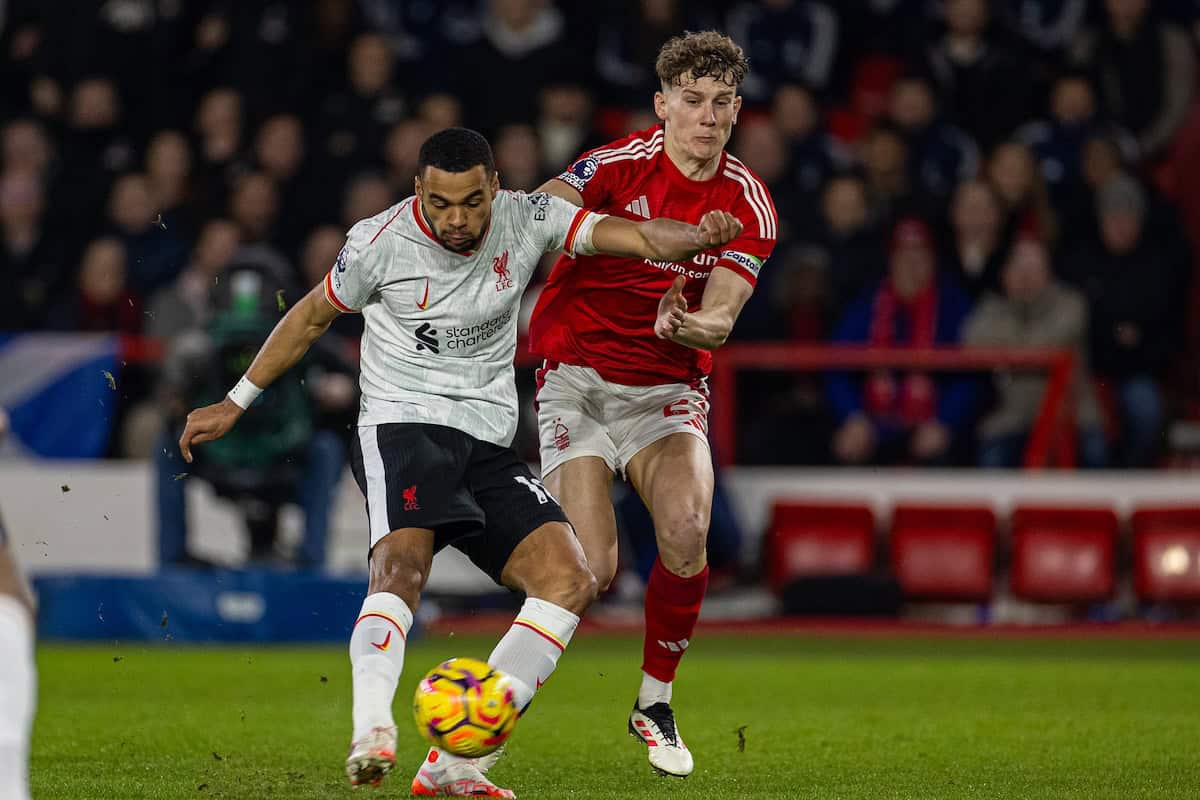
{"x": 443, "y": 775}
{"x": 654, "y": 726}
{"x": 372, "y": 757}
{"x": 484, "y": 763}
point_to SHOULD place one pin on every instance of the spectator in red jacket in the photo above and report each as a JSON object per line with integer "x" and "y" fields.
{"x": 102, "y": 300}
{"x": 898, "y": 416}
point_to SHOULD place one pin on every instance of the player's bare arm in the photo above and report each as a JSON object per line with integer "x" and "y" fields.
{"x": 664, "y": 239}
{"x": 562, "y": 190}
{"x": 286, "y": 345}
{"x": 708, "y": 327}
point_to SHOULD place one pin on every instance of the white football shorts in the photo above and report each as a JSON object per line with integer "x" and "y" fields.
{"x": 581, "y": 414}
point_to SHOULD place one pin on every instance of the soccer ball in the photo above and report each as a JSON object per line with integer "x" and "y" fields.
{"x": 465, "y": 707}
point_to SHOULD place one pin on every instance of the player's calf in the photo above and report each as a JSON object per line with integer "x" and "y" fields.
{"x": 549, "y": 565}
{"x": 572, "y": 587}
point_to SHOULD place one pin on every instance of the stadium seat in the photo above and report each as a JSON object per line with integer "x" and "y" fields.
{"x": 806, "y": 540}
{"x": 944, "y": 552}
{"x": 1166, "y": 554}
{"x": 1063, "y": 554}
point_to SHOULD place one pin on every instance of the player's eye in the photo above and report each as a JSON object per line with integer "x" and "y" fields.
{"x": 474, "y": 203}
{"x": 438, "y": 204}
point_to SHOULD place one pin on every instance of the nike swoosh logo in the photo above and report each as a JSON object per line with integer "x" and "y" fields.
{"x": 540, "y": 682}
{"x": 424, "y": 300}
{"x": 385, "y": 644}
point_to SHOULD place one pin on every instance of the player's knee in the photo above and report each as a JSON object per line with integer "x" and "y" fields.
{"x": 401, "y": 577}
{"x": 604, "y": 574}
{"x": 683, "y": 533}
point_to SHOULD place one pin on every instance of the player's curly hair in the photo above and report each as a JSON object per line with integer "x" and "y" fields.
{"x": 702, "y": 54}
{"x": 456, "y": 150}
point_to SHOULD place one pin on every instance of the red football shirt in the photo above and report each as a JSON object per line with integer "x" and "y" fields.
{"x": 599, "y": 311}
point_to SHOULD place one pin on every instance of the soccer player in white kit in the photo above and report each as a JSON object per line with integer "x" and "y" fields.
{"x": 438, "y": 278}
{"x": 18, "y": 676}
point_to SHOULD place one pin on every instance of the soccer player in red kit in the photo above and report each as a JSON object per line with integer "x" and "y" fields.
{"x": 627, "y": 346}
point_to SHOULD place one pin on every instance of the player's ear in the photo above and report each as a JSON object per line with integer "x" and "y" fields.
{"x": 737, "y": 106}
{"x": 495, "y": 183}
{"x": 660, "y": 106}
{"x": 417, "y": 185}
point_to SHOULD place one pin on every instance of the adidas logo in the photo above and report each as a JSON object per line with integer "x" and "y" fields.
{"x": 639, "y": 207}
{"x": 674, "y": 647}
{"x": 427, "y": 338}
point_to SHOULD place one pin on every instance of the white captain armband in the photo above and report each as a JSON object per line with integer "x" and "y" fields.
{"x": 579, "y": 240}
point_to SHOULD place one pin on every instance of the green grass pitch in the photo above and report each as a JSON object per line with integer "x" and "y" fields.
{"x": 828, "y": 719}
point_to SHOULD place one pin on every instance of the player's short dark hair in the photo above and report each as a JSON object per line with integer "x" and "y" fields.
{"x": 703, "y": 54}
{"x": 456, "y": 150}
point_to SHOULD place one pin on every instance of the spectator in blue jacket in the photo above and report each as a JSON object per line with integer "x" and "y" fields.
{"x": 1057, "y": 141}
{"x": 898, "y": 416}
{"x": 815, "y": 155}
{"x": 787, "y": 41}
{"x": 1049, "y": 27}
{"x": 942, "y": 155}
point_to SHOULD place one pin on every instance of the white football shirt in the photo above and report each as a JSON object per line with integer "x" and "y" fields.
{"x": 441, "y": 327}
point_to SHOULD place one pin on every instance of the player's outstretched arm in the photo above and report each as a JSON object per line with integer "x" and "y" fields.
{"x": 286, "y": 345}
{"x": 559, "y": 189}
{"x": 664, "y": 239}
{"x": 708, "y": 328}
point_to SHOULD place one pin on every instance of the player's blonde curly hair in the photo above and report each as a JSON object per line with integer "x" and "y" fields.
{"x": 702, "y": 54}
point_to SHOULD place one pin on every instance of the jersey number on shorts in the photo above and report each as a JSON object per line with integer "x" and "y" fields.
{"x": 535, "y": 486}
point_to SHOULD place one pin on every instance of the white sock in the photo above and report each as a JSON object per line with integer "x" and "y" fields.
{"x": 18, "y": 697}
{"x": 653, "y": 691}
{"x": 530, "y": 650}
{"x": 377, "y": 658}
{"x": 528, "y": 653}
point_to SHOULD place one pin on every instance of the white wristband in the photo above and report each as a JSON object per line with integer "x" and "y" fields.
{"x": 244, "y": 393}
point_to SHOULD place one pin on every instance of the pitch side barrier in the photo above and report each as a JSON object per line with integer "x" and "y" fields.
{"x": 1050, "y": 443}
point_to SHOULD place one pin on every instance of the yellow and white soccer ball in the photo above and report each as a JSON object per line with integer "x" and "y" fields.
{"x": 465, "y": 707}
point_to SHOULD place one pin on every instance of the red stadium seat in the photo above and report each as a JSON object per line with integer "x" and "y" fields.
{"x": 806, "y": 540}
{"x": 1063, "y": 555}
{"x": 1166, "y": 554}
{"x": 944, "y": 552}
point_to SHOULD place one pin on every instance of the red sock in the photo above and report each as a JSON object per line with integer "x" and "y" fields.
{"x": 672, "y": 608}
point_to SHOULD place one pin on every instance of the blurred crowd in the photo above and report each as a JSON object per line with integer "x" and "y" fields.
{"x": 1010, "y": 173}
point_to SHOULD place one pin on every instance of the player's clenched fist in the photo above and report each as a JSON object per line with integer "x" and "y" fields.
{"x": 718, "y": 227}
{"x": 206, "y": 424}
{"x": 671, "y": 309}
